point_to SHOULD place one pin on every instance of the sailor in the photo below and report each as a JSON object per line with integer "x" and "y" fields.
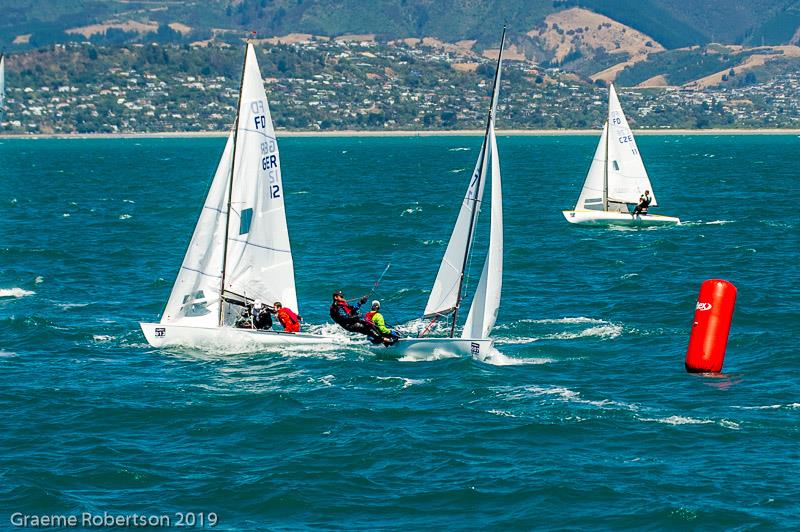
{"x": 644, "y": 203}
{"x": 347, "y": 316}
{"x": 262, "y": 316}
{"x": 287, "y": 317}
{"x": 387, "y": 336}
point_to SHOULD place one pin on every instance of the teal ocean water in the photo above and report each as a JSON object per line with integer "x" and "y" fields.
{"x": 584, "y": 419}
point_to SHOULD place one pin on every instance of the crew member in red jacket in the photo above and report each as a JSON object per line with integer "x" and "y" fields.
{"x": 289, "y": 320}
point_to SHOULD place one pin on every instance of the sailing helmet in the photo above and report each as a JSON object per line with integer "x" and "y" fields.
{"x": 337, "y": 293}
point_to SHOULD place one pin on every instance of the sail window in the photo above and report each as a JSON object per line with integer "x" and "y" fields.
{"x": 246, "y": 220}
{"x": 616, "y": 166}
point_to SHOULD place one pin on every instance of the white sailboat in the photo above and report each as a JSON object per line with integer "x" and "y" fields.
{"x": 448, "y": 288}
{"x": 616, "y": 178}
{"x": 2, "y": 83}
{"x": 240, "y": 248}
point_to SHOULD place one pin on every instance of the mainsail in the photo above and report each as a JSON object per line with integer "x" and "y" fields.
{"x": 446, "y": 294}
{"x": 627, "y": 177}
{"x": 258, "y": 263}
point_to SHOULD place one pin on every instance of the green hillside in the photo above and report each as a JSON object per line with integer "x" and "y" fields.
{"x": 674, "y": 23}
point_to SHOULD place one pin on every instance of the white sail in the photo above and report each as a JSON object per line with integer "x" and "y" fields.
{"x": 627, "y": 177}
{"x": 195, "y": 294}
{"x": 259, "y": 258}
{"x": 486, "y": 303}
{"x": 592, "y": 193}
{"x": 444, "y": 297}
{"x": 2, "y": 81}
{"x": 444, "y": 294}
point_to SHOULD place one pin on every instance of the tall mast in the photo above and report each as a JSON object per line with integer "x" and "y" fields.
{"x": 230, "y": 193}
{"x": 481, "y": 172}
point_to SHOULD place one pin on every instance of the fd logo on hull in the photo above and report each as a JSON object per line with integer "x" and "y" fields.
{"x": 475, "y": 348}
{"x": 161, "y": 332}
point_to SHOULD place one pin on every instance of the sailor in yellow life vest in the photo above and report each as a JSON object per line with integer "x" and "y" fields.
{"x": 387, "y": 336}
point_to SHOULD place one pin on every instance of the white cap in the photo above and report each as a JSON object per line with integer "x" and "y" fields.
{"x": 376, "y": 304}
{"x": 257, "y": 303}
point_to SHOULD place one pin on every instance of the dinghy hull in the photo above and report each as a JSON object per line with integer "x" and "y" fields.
{"x": 165, "y": 335}
{"x": 427, "y": 348}
{"x": 605, "y": 218}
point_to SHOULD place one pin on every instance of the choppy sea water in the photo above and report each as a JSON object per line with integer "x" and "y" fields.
{"x": 584, "y": 418}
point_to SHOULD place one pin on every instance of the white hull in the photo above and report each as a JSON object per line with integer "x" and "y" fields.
{"x": 164, "y": 335}
{"x": 428, "y": 348}
{"x": 603, "y": 218}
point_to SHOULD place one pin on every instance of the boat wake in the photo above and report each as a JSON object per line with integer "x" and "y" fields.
{"x": 496, "y": 358}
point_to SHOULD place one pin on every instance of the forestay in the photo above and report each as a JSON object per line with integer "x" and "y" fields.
{"x": 195, "y": 295}
{"x": 259, "y": 258}
{"x": 627, "y": 177}
{"x": 486, "y": 303}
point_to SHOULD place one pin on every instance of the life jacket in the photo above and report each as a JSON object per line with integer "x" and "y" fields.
{"x": 337, "y": 317}
{"x": 368, "y": 315}
{"x": 287, "y": 317}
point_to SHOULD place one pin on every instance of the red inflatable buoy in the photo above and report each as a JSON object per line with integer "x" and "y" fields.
{"x": 712, "y": 322}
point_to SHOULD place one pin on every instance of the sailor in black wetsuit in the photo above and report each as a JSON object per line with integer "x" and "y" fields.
{"x": 347, "y": 316}
{"x": 262, "y": 316}
{"x": 644, "y": 203}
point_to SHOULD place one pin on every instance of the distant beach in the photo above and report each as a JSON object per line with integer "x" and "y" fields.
{"x": 407, "y": 133}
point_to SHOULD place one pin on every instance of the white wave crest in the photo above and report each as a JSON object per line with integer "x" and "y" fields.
{"x": 124, "y": 216}
{"x": 608, "y": 332}
{"x": 679, "y": 420}
{"x": 516, "y": 340}
{"x": 15, "y": 292}
{"x": 102, "y": 337}
{"x": 501, "y": 413}
{"x": 578, "y": 319}
{"x": 39, "y": 279}
{"x": 406, "y": 382}
{"x": 411, "y": 210}
{"x": 459, "y": 149}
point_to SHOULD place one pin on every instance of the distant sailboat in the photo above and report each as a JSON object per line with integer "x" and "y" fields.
{"x": 616, "y": 178}
{"x": 448, "y": 288}
{"x": 240, "y": 248}
{"x": 2, "y": 83}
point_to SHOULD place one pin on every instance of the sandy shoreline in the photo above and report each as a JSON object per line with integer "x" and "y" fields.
{"x": 449, "y": 133}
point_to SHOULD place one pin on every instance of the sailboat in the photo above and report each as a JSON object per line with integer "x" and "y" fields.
{"x": 616, "y": 178}
{"x": 448, "y": 289}
{"x": 240, "y": 248}
{"x": 2, "y": 83}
